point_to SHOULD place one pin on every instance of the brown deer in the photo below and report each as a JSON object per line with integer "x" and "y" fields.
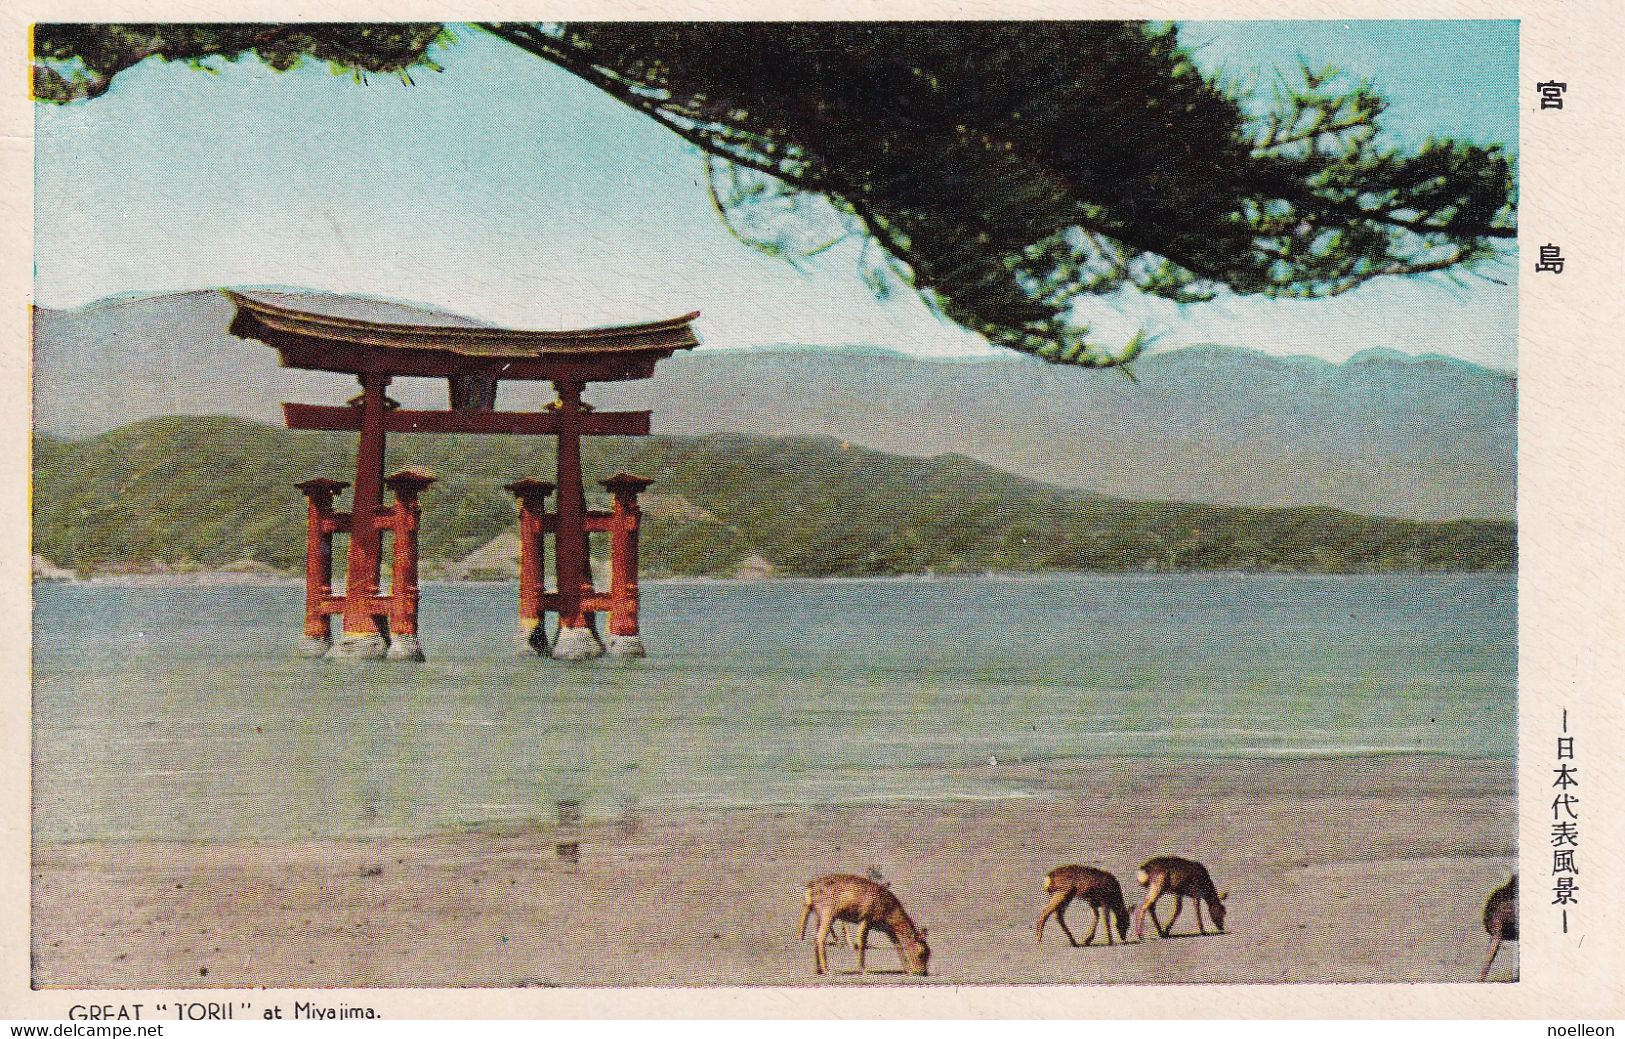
{"x": 1500, "y": 920}
{"x": 1183, "y": 879}
{"x": 1098, "y": 889}
{"x": 863, "y": 902}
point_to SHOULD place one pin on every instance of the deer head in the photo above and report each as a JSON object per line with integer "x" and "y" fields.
{"x": 917, "y": 954}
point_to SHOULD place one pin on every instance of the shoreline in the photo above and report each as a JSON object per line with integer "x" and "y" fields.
{"x": 1325, "y": 860}
{"x": 227, "y": 579}
{"x": 1060, "y": 771}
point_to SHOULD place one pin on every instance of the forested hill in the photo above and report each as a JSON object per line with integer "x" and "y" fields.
{"x": 1382, "y": 433}
{"x": 197, "y": 493}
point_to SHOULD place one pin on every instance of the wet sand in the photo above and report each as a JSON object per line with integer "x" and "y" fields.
{"x": 1327, "y": 863}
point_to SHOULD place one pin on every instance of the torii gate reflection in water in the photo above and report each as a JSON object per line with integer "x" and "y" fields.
{"x": 377, "y": 341}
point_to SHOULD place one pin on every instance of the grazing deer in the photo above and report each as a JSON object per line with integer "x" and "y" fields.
{"x": 861, "y": 901}
{"x": 1098, "y": 889}
{"x": 1500, "y": 920}
{"x": 1183, "y": 879}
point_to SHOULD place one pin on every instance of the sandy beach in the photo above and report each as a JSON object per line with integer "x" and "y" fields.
{"x": 1334, "y": 869}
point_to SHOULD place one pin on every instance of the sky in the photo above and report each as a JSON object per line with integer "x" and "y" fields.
{"x": 508, "y": 190}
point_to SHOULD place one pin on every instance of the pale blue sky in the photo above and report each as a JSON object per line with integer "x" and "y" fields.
{"x": 507, "y": 189}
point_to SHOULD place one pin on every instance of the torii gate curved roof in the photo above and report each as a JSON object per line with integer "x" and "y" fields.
{"x": 357, "y": 334}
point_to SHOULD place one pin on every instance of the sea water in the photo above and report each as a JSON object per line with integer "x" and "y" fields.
{"x": 184, "y": 712}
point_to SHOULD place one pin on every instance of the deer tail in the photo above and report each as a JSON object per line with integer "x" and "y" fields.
{"x": 1143, "y": 877}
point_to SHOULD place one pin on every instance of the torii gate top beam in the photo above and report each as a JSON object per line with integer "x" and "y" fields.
{"x": 324, "y": 333}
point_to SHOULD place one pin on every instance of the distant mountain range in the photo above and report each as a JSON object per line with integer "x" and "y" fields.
{"x": 1383, "y": 433}
{"x": 188, "y": 492}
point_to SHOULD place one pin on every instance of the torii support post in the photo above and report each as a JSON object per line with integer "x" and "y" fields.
{"x": 403, "y": 584}
{"x": 577, "y": 637}
{"x": 623, "y": 564}
{"x": 322, "y": 522}
{"x": 533, "y": 523}
{"x": 365, "y": 623}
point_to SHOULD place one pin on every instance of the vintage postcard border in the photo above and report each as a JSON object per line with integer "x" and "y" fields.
{"x": 1570, "y": 612}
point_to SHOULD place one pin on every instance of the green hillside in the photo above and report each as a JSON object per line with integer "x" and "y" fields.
{"x": 192, "y": 492}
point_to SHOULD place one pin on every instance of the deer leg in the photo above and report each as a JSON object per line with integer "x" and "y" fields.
{"x": 1197, "y": 902}
{"x": 820, "y": 957}
{"x": 1152, "y": 893}
{"x": 1495, "y": 947}
{"x": 1060, "y": 918}
{"x": 863, "y": 943}
{"x": 1056, "y": 905}
{"x": 1094, "y": 925}
{"x": 1179, "y": 903}
{"x": 805, "y": 913}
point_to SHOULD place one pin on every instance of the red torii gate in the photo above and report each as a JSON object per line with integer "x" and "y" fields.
{"x": 344, "y": 334}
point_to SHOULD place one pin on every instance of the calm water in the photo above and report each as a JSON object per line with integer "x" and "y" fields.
{"x": 183, "y": 712}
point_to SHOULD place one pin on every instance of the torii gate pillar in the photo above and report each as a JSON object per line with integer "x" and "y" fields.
{"x": 365, "y": 633}
{"x": 577, "y": 638}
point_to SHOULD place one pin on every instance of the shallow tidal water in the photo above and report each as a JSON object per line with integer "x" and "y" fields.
{"x": 185, "y": 714}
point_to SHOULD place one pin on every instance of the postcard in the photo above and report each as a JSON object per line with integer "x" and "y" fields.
{"x": 993, "y": 512}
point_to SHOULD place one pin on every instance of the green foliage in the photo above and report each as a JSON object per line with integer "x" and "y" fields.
{"x": 1006, "y": 171}
{"x": 77, "y": 61}
{"x": 210, "y": 491}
